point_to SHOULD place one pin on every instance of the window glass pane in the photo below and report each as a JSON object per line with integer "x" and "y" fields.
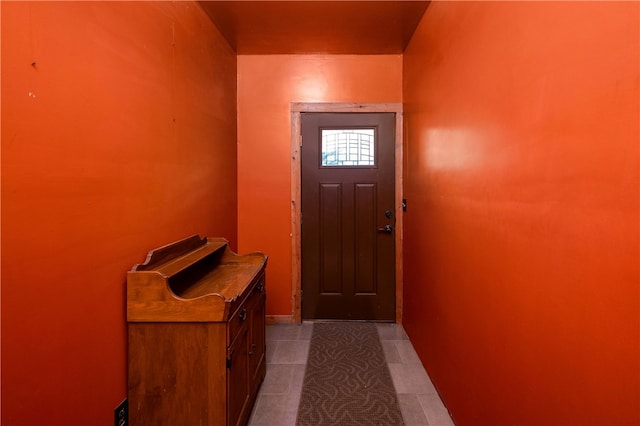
{"x": 348, "y": 147}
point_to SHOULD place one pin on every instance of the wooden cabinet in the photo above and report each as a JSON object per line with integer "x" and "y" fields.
{"x": 196, "y": 322}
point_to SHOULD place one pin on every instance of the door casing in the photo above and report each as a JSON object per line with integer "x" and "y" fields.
{"x": 296, "y": 266}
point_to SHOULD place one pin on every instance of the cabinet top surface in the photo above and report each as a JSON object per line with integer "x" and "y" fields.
{"x": 192, "y": 275}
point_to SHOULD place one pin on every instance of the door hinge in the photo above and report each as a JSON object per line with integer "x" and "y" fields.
{"x": 300, "y": 141}
{"x": 228, "y": 363}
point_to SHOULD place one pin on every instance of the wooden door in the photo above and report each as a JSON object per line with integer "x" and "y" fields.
{"x": 348, "y": 219}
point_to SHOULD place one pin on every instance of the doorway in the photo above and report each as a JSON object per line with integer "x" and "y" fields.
{"x": 358, "y": 280}
{"x": 348, "y": 218}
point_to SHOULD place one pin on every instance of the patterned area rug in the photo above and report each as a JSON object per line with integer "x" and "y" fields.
{"x": 347, "y": 381}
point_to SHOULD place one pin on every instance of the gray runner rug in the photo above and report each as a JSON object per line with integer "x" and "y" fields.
{"x": 347, "y": 381}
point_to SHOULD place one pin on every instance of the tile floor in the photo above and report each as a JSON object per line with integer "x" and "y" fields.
{"x": 287, "y": 351}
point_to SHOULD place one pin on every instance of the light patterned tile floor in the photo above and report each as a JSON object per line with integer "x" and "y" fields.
{"x": 287, "y": 351}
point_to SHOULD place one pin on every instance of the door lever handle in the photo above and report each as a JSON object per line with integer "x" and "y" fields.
{"x": 388, "y": 229}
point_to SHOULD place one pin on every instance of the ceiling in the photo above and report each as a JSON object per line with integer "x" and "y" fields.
{"x": 301, "y": 27}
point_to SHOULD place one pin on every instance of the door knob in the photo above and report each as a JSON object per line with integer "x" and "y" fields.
{"x": 387, "y": 228}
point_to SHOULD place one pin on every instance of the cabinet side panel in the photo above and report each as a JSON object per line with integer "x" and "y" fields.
{"x": 167, "y": 384}
{"x": 217, "y": 374}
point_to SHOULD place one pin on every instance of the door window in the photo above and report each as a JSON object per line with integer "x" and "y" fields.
{"x": 348, "y": 147}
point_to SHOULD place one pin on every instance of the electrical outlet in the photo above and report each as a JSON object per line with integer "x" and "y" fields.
{"x": 121, "y": 413}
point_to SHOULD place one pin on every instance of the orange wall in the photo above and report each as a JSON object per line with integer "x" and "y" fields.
{"x": 266, "y": 87}
{"x": 120, "y": 138}
{"x": 521, "y": 235}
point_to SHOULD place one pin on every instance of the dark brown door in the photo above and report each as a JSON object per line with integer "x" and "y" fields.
{"x": 348, "y": 216}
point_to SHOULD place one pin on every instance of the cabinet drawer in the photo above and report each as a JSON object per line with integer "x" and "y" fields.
{"x": 239, "y": 318}
{"x": 241, "y": 315}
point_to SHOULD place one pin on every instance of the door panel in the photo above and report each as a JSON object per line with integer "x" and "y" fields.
{"x": 365, "y": 239}
{"x": 330, "y": 239}
{"x": 348, "y": 264}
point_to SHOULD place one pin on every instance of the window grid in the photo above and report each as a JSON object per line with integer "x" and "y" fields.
{"x": 348, "y": 147}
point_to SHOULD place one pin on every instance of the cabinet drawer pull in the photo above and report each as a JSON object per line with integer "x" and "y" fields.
{"x": 243, "y": 314}
{"x": 230, "y": 359}
{"x": 260, "y": 287}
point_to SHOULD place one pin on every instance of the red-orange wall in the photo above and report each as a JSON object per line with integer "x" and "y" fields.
{"x": 266, "y": 87}
{"x": 521, "y": 234}
{"x": 119, "y": 138}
